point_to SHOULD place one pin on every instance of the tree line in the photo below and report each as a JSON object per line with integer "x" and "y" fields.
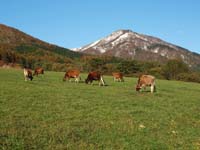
{"x": 174, "y": 69}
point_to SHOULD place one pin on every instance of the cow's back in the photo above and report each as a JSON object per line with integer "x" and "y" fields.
{"x": 94, "y": 75}
{"x": 146, "y": 79}
{"x": 38, "y": 70}
{"x": 73, "y": 73}
{"x": 117, "y": 74}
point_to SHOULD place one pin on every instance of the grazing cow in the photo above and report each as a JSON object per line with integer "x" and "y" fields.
{"x": 72, "y": 74}
{"x": 95, "y": 76}
{"x": 38, "y": 71}
{"x": 28, "y": 74}
{"x": 118, "y": 76}
{"x": 146, "y": 80}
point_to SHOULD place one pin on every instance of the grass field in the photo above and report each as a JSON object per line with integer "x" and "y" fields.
{"x": 48, "y": 113}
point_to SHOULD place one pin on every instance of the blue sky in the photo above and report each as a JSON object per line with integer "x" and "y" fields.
{"x": 75, "y": 23}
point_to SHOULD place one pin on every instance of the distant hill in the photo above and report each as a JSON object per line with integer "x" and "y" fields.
{"x": 19, "y": 47}
{"x": 131, "y": 45}
{"x": 21, "y": 42}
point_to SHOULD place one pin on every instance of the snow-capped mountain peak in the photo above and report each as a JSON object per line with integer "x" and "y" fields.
{"x": 132, "y": 45}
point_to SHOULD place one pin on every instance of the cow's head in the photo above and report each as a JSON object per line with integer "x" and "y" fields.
{"x": 31, "y": 78}
{"x": 66, "y": 77}
{"x": 138, "y": 87}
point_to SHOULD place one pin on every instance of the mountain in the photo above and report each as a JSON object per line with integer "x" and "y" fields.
{"x": 17, "y": 41}
{"x": 131, "y": 45}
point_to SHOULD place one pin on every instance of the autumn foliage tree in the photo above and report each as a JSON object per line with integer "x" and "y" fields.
{"x": 173, "y": 68}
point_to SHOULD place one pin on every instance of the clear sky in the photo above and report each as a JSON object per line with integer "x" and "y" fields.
{"x": 75, "y": 23}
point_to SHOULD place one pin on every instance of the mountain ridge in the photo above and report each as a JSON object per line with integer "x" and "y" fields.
{"x": 132, "y": 45}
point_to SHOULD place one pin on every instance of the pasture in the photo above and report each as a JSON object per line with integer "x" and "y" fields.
{"x": 48, "y": 113}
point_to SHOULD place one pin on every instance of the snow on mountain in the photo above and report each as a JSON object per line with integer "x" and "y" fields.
{"x": 131, "y": 45}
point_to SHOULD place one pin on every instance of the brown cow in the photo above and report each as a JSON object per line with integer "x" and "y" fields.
{"x": 95, "y": 76}
{"x": 28, "y": 74}
{"x": 118, "y": 76}
{"x": 38, "y": 71}
{"x": 72, "y": 74}
{"x": 146, "y": 80}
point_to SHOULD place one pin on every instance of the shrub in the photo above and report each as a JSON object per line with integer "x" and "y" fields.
{"x": 189, "y": 77}
{"x": 173, "y": 68}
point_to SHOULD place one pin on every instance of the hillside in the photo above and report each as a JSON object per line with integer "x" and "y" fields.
{"x": 21, "y": 42}
{"x": 131, "y": 45}
{"x": 15, "y": 43}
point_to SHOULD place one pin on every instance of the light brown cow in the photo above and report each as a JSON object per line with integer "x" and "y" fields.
{"x": 38, "y": 70}
{"x": 146, "y": 80}
{"x": 118, "y": 76}
{"x": 72, "y": 74}
{"x": 97, "y": 76}
{"x": 28, "y": 74}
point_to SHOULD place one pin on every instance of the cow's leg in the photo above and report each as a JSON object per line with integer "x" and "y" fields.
{"x": 76, "y": 79}
{"x": 67, "y": 78}
{"x": 102, "y": 81}
{"x": 25, "y": 78}
{"x": 152, "y": 88}
{"x": 143, "y": 87}
{"x": 79, "y": 78}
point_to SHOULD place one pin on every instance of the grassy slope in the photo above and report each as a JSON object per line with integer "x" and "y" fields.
{"x": 50, "y": 114}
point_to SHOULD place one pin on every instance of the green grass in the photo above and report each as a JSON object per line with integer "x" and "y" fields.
{"x": 48, "y": 113}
